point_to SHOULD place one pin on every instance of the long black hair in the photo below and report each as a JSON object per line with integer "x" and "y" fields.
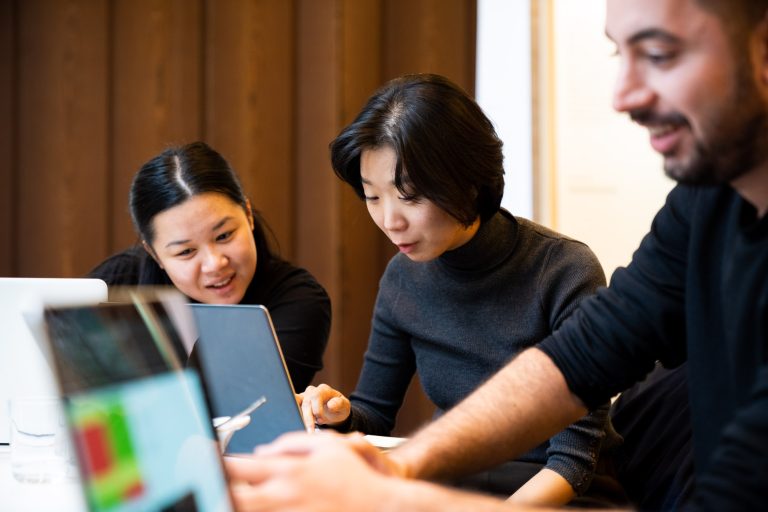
{"x": 179, "y": 173}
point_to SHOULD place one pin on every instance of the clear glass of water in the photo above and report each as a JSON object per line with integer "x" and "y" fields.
{"x": 40, "y": 448}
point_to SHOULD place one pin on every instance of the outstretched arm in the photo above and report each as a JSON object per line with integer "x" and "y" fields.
{"x": 524, "y": 404}
{"x": 329, "y": 472}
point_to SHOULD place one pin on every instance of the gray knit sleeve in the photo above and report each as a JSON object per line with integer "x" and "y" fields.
{"x": 571, "y": 274}
{"x": 573, "y": 453}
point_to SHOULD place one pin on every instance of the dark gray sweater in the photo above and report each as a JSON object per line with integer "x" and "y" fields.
{"x": 456, "y": 320}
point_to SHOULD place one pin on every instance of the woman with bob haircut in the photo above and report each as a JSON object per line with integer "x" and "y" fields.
{"x": 471, "y": 286}
{"x": 199, "y": 233}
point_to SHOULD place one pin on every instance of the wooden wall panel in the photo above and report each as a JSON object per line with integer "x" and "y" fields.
{"x": 361, "y": 241}
{"x": 93, "y": 88}
{"x": 318, "y": 231}
{"x": 157, "y": 79}
{"x": 7, "y": 135}
{"x": 249, "y": 109}
{"x": 431, "y": 36}
{"x": 346, "y": 50}
{"x": 63, "y": 129}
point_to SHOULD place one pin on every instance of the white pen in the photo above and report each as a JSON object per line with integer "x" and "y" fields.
{"x": 248, "y": 410}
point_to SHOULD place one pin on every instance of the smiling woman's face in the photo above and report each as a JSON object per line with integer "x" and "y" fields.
{"x": 206, "y": 247}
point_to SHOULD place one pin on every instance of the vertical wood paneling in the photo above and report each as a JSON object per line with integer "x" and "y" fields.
{"x": 7, "y": 135}
{"x": 318, "y": 232}
{"x": 361, "y": 241}
{"x": 431, "y": 36}
{"x": 344, "y": 55}
{"x": 249, "y": 102}
{"x": 157, "y": 91}
{"x": 90, "y": 89}
{"x": 62, "y": 136}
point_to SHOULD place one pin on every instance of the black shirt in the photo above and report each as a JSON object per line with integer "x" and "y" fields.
{"x": 298, "y": 304}
{"x": 696, "y": 290}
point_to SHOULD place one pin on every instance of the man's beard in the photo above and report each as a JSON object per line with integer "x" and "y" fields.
{"x": 736, "y": 138}
{"x": 736, "y": 146}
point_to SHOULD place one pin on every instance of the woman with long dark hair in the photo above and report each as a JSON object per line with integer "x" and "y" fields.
{"x": 199, "y": 233}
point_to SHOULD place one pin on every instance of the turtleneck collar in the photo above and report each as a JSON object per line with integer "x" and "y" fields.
{"x": 493, "y": 243}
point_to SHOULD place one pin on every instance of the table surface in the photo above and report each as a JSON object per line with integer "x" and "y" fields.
{"x": 18, "y": 496}
{"x": 27, "y": 497}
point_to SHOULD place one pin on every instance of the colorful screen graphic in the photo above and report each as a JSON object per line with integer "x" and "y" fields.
{"x": 145, "y": 446}
{"x": 139, "y": 421}
{"x": 104, "y": 442}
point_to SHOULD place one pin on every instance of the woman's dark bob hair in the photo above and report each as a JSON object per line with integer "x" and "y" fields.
{"x": 181, "y": 172}
{"x": 446, "y": 149}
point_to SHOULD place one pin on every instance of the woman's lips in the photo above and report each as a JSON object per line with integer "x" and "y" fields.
{"x": 222, "y": 284}
{"x": 406, "y": 248}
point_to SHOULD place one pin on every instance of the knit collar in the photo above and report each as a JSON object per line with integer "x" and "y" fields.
{"x": 493, "y": 243}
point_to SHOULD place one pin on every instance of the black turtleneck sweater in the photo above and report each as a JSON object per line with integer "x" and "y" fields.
{"x": 459, "y": 318}
{"x": 298, "y": 305}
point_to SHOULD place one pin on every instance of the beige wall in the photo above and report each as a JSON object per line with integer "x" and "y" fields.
{"x": 600, "y": 180}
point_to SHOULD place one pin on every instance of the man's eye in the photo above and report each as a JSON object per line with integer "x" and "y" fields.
{"x": 658, "y": 57}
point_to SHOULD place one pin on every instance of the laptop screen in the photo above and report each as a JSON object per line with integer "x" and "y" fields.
{"x": 24, "y": 371}
{"x": 139, "y": 422}
{"x": 239, "y": 351}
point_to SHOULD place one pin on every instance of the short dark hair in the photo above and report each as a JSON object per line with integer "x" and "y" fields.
{"x": 181, "y": 172}
{"x": 446, "y": 148}
{"x": 739, "y": 17}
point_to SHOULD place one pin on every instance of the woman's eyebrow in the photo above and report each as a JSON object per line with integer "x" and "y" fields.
{"x": 220, "y": 223}
{"x": 214, "y": 228}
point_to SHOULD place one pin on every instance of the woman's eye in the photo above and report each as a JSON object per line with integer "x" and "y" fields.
{"x": 224, "y": 236}
{"x": 410, "y": 199}
{"x": 185, "y": 252}
{"x": 368, "y": 199}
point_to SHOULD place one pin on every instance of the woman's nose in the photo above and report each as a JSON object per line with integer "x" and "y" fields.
{"x": 393, "y": 218}
{"x": 214, "y": 260}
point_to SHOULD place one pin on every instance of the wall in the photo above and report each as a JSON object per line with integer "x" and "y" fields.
{"x": 90, "y": 89}
{"x": 600, "y": 181}
{"x": 504, "y": 92}
{"x": 545, "y": 77}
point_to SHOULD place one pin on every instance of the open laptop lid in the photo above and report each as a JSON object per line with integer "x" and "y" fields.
{"x": 23, "y": 368}
{"x": 140, "y": 424}
{"x": 239, "y": 353}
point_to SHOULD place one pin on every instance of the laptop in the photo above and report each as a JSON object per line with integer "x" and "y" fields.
{"x": 239, "y": 353}
{"x": 23, "y": 368}
{"x": 139, "y": 421}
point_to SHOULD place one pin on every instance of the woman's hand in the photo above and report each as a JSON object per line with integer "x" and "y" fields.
{"x": 322, "y": 405}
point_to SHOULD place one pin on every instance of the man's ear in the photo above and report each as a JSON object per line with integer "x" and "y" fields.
{"x": 151, "y": 252}
{"x": 760, "y": 51}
